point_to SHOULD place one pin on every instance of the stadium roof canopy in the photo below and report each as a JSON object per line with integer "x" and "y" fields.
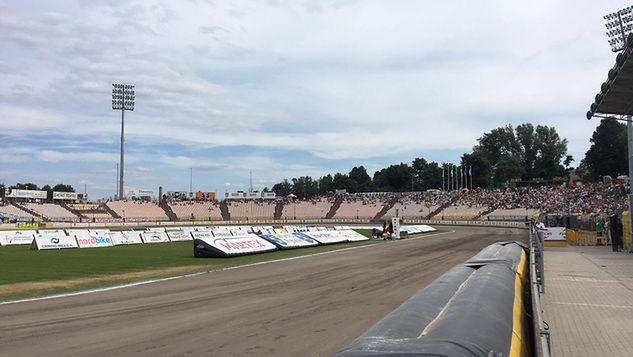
{"x": 616, "y": 94}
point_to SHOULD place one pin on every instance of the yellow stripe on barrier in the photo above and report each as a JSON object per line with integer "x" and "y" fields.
{"x": 518, "y": 346}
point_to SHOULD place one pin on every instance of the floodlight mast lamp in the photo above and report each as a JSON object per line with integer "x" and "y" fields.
{"x": 122, "y": 99}
{"x": 618, "y": 25}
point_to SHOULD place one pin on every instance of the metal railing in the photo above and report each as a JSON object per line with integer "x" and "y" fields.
{"x": 537, "y": 281}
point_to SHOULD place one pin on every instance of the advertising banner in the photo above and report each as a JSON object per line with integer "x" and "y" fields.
{"x": 93, "y": 240}
{"x": 268, "y": 195}
{"x": 290, "y": 240}
{"x": 253, "y": 195}
{"x": 177, "y": 235}
{"x": 125, "y": 238}
{"x": 327, "y": 237}
{"x": 74, "y": 232}
{"x": 353, "y": 236}
{"x": 234, "y": 195}
{"x": 155, "y": 229}
{"x": 72, "y": 196}
{"x": 16, "y": 237}
{"x": 15, "y": 193}
{"x": 154, "y": 237}
{"x": 53, "y": 241}
{"x": 205, "y": 196}
{"x": 219, "y": 233}
{"x": 240, "y": 245}
{"x": 554, "y": 234}
{"x": 204, "y": 235}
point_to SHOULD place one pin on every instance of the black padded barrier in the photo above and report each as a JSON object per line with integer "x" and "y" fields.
{"x": 475, "y": 309}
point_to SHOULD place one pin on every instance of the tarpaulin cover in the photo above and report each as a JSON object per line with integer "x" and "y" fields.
{"x": 471, "y": 310}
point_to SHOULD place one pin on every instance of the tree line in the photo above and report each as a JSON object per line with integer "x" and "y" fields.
{"x": 521, "y": 155}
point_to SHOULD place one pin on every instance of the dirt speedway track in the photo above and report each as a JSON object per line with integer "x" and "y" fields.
{"x": 305, "y": 307}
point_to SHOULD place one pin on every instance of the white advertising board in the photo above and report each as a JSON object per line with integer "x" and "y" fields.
{"x": 54, "y": 241}
{"x": 178, "y": 235}
{"x": 154, "y": 237}
{"x": 15, "y": 193}
{"x": 240, "y": 245}
{"x": 51, "y": 232}
{"x": 16, "y": 237}
{"x": 155, "y": 229}
{"x": 290, "y": 240}
{"x": 202, "y": 235}
{"x": 352, "y": 236}
{"x": 125, "y": 238}
{"x": 100, "y": 231}
{"x": 220, "y": 233}
{"x": 93, "y": 240}
{"x": 74, "y": 232}
{"x": 554, "y": 233}
{"x": 327, "y": 237}
{"x": 72, "y": 196}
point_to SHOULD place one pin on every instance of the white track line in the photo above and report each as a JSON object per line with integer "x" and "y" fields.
{"x": 116, "y": 287}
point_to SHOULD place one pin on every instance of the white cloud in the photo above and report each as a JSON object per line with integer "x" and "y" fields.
{"x": 336, "y": 81}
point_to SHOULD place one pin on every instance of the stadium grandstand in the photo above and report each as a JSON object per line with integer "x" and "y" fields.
{"x": 196, "y": 210}
{"x": 316, "y": 208}
{"x": 133, "y": 211}
{"x": 251, "y": 209}
{"x": 361, "y": 206}
{"x": 15, "y": 214}
{"x": 93, "y": 212}
{"x": 50, "y": 212}
{"x": 506, "y": 204}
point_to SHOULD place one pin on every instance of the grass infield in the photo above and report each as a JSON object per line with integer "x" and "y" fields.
{"x": 27, "y": 273}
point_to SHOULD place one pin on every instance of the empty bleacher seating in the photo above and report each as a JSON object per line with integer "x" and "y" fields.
{"x": 199, "y": 210}
{"x": 138, "y": 211}
{"x": 12, "y": 212}
{"x": 52, "y": 212}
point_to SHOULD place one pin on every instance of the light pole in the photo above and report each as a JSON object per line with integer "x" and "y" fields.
{"x": 619, "y": 25}
{"x": 122, "y": 99}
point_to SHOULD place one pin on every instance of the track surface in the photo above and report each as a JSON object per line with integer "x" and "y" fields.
{"x": 305, "y": 307}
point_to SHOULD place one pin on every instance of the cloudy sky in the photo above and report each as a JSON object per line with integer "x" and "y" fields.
{"x": 283, "y": 88}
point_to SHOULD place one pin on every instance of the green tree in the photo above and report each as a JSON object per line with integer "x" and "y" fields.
{"x": 480, "y": 169}
{"x": 343, "y": 182}
{"x": 550, "y": 150}
{"x": 25, "y": 186}
{"x": 395, "y": 178}
{"x": 326, "y": 184}
{"x": 284, "y": 188}
{"x": 509, "y": 167}
{"x": 361, "y": 179}
{"x": 304, "y": 187}
{"x": 49, "y": 191}
{"x": 608, "y": 151}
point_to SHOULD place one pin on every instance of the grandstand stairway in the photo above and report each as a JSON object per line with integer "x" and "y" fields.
{"x": 74, "y": 211}
{"x": 483, "y": 213}
{"x": 168, "y": 211}
{"x": 279, "y": 209}
{"x": 386, "y": 208}
{"x": 335, "y": 206}
{"x": 442, "y": 207}
{"x": 33, "y": 213}
{"x": 224, "y": 209}
{"x": 109, "y": 210}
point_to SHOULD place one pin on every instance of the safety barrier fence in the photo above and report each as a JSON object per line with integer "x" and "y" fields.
{"x": 542, "y": 344}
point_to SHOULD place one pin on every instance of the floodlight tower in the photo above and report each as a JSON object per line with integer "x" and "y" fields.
{"x": 619, "y": 24}
{"x": 122, "y": 99}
